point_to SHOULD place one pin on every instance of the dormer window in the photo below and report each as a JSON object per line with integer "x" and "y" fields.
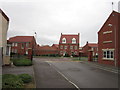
{"x": 73, "y": 41}
{"x": 64, "y": 40}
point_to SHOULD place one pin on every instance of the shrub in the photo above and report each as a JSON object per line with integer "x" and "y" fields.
{"x": 11, "y": 81}
{"x": 26, "y": 78}
{"x": 22, "y": 62}
{"x": 67, "y": 55}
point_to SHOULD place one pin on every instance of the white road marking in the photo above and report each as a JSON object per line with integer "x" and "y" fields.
{"x": 66, "y": 78}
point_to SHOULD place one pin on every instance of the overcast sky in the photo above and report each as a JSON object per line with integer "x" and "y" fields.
{"x": 50, "y": 18}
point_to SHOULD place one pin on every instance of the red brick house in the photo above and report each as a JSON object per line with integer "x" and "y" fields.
{"x": 46, "y": 50}
{"x": 109, "y": 40}
{"x": 69, "y": 44}
{"x": 90, "y": 50}
{"x": 55, "y": 46}
{"x": 23, "y": 45}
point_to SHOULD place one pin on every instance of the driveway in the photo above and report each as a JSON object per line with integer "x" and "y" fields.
{"x": 80, "y": 74}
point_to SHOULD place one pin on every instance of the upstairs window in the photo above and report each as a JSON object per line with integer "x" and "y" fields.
{"x": 64, "y": 40}
{"x": 65, "y": 47}
{"x": 22, "y": 46}
{"x": 27, "y": 45}
{"x": 75, "y": 47}
{"x": 61, "y": 47}
{"x": 71, "y": 47}
{"x": 73, "y": 41}
{"x": 16, "y": 44}
{"x": 13, "y": 44}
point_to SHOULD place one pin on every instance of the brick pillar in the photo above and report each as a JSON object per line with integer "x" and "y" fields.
{"x": 30, "y": 56}
{"x": 90, "y": 57}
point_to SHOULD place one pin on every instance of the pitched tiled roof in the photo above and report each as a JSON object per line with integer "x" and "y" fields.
{"x": 117, "y": 14}
{"x": 55, "y": 45}
{"x": 92, "y": 45}
{"x": 21, "y": 39}
{"x": 46, "y": 47}
{"x": 69, "y": 38}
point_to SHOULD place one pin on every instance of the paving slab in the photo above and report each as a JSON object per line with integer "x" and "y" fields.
{"x": 17, "y": 70}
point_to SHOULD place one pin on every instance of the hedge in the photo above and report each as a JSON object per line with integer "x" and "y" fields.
{"x": 26, "y": 78}
{"x": 22, "y": 62}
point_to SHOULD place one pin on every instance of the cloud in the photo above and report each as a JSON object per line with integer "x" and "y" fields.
{"x": 49, "y": 18}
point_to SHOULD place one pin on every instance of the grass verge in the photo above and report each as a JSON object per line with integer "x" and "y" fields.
{"x": 17, "y": 81}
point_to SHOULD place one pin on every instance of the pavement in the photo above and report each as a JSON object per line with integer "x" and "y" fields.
{"x": 47, "y": 77}
{"x": 103, "y": 66}
{"x": 17, "y": 70}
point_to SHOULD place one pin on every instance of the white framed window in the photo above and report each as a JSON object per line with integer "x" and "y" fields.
{"x": 97, "y": 49}
{"x": 75, "y": 47}
{"x": 107, "y": 41}
{"x": 64, "y": 40}
{"x": 73, "y": 41}
{"x": 13, "y": 44}
{"x": 108, "y": 54}
{"x": 61, "y": 47}
{"x": 92, "y": 48}
{"x": 16, "y": 44}
{"x": 22, "y": 46}
{"x": 12, "y": 50}
{"x": 26, "y": 51}
{"x": 71, "y": 47}
{"x": 27, "y": 44}
{"x": 61, "y": 52}
{"x": 65, "y": 47}
{"x": 107, "y": 32}
{"x": 75, "y": 52}
{"x": 93, "y": 53}
{"x": 15, "y": 50}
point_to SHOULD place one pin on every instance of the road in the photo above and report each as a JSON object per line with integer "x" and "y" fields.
{"x": 48, "y": 77}
{"x": 83, "y": 75}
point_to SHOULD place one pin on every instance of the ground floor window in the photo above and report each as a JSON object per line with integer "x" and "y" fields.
{"x": 15, "y": 50}
{"x": 108, "y": 54}
{"x": 65, "y": 47}
{"x": 26, "y": 51}
{"x": 61, "y": 52}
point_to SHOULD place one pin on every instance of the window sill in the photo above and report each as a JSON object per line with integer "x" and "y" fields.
{"x": 108, "y": 59}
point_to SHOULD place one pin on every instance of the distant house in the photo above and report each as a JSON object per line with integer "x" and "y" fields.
{"x": 55, "y": 46}
{"x": 47, "y": 50}
{"x": 90, "y": 47}
{"x": 109, "y": 40}
{"x": 4, "y": 47}
{"x": 90, "y": 50}
{"x": 69, "y": 45}
{"x": 23, "y": 45}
